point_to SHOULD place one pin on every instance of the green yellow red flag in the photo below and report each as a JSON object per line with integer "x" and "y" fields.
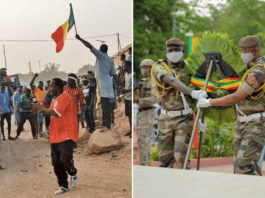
{"x": 60, "y": 34}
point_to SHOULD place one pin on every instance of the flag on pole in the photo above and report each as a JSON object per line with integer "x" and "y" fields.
{"x": 60, "y": 34}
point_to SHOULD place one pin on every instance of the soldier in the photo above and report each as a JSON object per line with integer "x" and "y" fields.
{"x": 145, "y": 98}
{"x": 249, "y": 134}
{"x": 175, "y": 122}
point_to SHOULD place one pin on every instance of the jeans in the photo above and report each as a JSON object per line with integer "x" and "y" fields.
{"x": 32, "y": 120}
{"x": 261, "y": 157}
{"x": 106, "y": 117}
{"x": 62, "y": 161}
{"x": 40, "y": 115}
{"x": 17, "y": 117}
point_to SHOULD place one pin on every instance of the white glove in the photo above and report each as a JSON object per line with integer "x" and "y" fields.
{"x": 203, "y": 103}
{"x": 197, "y": 94}
{"x": 202, "y": 126}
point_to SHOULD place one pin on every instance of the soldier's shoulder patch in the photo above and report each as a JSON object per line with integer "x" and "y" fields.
{"x": 251, "y": 79}
{"x": 158, "y": 68}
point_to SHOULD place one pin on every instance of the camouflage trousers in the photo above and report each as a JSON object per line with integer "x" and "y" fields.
{"x": 249, "y": 139}
{"x": 145, "y": 121}
{"x": 173, "y": 140}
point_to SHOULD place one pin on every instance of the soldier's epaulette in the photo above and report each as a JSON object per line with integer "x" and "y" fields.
{"x": 161, "y": 60}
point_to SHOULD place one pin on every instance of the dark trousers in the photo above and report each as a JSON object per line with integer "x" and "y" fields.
{"x": 47, "y": 122}
{"x": 106, "y": 117}
{"x": 6, "y": 116}
{"x": 62, "y": 161}
{"x": 89, "y": 117}
{"x": 32, "y": 120}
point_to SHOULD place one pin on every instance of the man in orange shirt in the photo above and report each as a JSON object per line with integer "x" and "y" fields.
{"x": 39, "y": 94}
{"x": 75, "y": 92}
{"x": 63, "y": 134}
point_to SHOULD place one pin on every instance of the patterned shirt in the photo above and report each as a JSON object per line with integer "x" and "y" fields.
{"x": 77, "y": 95}
{"x": 169, "y": 101}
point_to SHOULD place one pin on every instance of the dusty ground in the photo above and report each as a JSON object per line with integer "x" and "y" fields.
{"x": 98, "y": 175}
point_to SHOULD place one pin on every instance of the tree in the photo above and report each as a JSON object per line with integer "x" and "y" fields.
{"x": 239, "y": 18}
{"x": 153, "y": 27}
{"x": 51, "y": 67}
{"x": 83, "y": 70}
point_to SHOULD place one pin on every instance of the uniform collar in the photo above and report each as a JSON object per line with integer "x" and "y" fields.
{"x": 146, "y": 79}
{"x": 180, "y": 64}
{"x": 255, "y": 62}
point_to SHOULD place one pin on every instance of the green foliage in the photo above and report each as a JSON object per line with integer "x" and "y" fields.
{"x": 155, "y": 156}
{"x": 216, "y": 42}
{"x": 153, "y": 22}
{"x": 218, "y": 139}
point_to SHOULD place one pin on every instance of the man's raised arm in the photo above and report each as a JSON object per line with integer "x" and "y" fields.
{"x": 32, "y": 81}
{"x": 87, "y": 44}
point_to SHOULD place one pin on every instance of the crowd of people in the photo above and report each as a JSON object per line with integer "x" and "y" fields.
{"x": 63, "y": 105}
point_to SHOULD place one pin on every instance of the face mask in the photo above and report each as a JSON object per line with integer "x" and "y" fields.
{"x": 247, "y": 57}
{"x": 174, "y": 57}
{"x": 146, "y": 72}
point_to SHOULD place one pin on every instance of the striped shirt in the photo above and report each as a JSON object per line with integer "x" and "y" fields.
{"x": 77, "y": 95}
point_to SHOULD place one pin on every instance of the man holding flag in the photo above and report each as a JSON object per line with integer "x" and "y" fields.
{"x": 104, "y": 70}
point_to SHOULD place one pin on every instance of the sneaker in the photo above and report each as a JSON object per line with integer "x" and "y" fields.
{"x": 104, "y": 129}
{"x": 2, "y": 168}
{"x": 11, "y": 138}
{"x": 60, "y": 191}
{"x": 4, "y": 139}
{"x": 128, "y": 133}
{"x": 35, "y": 137}
{"x": 76, "y": 151}
{"x": 112, "y": 125}
{"x": 73, "y": 181}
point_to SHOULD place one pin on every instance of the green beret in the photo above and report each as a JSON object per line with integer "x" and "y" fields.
{"x": 174, "y": 41}
{"x": 249, "y": 41}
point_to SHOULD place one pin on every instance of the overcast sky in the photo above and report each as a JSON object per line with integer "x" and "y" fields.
{"x": 37, "y": 20}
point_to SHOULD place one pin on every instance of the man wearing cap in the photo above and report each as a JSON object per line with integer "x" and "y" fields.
{"x": 249, "y": 134}
{"x": 145, "y": 118}
{"x": 175, "y": 122}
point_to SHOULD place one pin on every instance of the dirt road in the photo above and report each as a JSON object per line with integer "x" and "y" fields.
{"x": 98, "y": 175}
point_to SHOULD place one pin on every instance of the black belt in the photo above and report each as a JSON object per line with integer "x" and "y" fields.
{"x": 143, "y": 109}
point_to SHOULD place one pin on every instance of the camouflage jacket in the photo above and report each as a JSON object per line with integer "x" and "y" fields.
{"x": 253, "y": 81}
{"x": 147, "y": 95}
{"x": 169, "y": 101}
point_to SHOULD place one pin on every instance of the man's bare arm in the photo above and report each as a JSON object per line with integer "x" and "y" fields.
{"x": 230, "y": 99}
{"x": 87, "y": 44}
{"x": 45, "y": 111}
{"x": 176, "y": 84}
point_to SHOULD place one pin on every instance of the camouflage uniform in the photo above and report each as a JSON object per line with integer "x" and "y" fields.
{"x": 145, "y": 117}
{"x": 249, "y": 137}
{"x": 173, "y": 132}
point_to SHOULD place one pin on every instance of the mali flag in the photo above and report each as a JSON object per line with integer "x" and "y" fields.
{"x": 60, "y": 34}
